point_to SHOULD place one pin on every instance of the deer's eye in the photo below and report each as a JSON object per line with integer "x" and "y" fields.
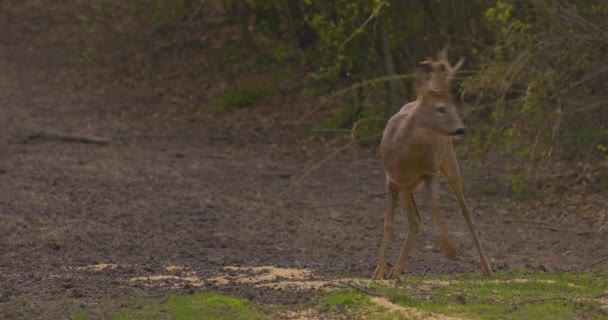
{"x": 441, "y": 110}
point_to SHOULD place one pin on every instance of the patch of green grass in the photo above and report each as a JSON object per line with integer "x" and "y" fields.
{"x": 346, "y": 299}
{"x": 80, "y": 315}
{"x": 358, "y": 305}
{"x": 347, "y": 304}
{"x": 507, "y": 295}
{"x": 197, "y": 306}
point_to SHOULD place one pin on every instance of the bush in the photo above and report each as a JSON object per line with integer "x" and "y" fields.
{"x": 542, "y": 82}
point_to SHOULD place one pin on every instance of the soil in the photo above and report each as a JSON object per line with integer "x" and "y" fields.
{"x": 107, "y": 181}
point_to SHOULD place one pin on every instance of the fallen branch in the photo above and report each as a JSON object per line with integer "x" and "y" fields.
{"x": 593, "y": 264}
{"x": 518, "y": 305}
{"x": 66, "y": 137}
{"x": 345, "y": 285}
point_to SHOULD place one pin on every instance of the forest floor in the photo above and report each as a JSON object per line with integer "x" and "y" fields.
{"x": 118, "y": 179}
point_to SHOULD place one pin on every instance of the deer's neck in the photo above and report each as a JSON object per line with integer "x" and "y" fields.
{"x": 419, "y": 135}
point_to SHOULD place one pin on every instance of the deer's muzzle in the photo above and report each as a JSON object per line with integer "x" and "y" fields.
{"x": 459, "y": 132}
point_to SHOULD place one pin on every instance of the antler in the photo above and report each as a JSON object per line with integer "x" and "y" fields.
{"x": 450, "y": 70}
{"x": 442, "y": 61}
{"x": 435, "y": 82}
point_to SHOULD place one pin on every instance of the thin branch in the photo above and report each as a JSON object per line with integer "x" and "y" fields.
{"x": 361, "y": 27}
{"x": 517, "y": 305}
{"x": 593, "y": 264}
{"x": 66, "y": 137}
{"x": 345, "y": 285}
{"x": 589, "y": 76}
{"x": 513, "y": 69}
{"x": 589, "y": 106}
{"x": 353, "y": 130}
{"x": 391, "y": 78}
{"x": 374, "y": 81}
{"x": 571, "y": 16}
{"x": 196, "y": 11}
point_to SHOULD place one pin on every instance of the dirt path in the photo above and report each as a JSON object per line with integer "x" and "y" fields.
{"x": 185, "y": 197}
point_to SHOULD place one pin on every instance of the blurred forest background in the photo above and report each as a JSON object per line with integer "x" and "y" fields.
{"x": 532, "y": 92}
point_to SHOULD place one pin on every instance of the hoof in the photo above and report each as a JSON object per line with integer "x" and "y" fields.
{"x": 380, "y": 272}
{"x": 487, "y": 268}
{"x": 448, "y": 248}
{"x": 397, "y": 271}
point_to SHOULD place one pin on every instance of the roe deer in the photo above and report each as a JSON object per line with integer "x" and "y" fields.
{"x": 416, "y": 146}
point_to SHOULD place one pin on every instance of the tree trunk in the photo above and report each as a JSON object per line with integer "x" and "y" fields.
{"x": 389, "y": 67}
{"x": 303, "y": 35}
{"x": 244, "y": 16}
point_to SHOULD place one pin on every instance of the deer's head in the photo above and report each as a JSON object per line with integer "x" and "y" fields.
{"x": 436, "y": 107}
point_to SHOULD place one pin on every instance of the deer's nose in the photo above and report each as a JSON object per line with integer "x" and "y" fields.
{"x": 459, "y": 132}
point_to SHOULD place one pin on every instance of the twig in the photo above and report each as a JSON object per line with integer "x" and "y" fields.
{"x": 320, "y": 163}
{"x": 66, "y": 137}
{"x": 371, "y": 17}
{"x": 385, "y": 79}
{"x": 353, "y": 130}
{"x": 198, "y": 9}
{"x": 589, "y": 76}
{"x": 344, "y": 285}
{"x": 317, "y": 204}
{"x": 517, "y": 305}
{"x": 373, "y": 81}
{"x": 593, "y": 264}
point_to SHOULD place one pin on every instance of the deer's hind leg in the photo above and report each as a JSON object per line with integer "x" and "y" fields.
{"x": 414, "y": 222}
{"x": 392, "y": 197}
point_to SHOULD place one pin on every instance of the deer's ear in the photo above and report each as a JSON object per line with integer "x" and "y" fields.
{"x": 420, "y": 82}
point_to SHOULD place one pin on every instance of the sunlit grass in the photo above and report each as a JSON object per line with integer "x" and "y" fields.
{"x": 507, "y": 295}
{"x": 197, "y": 306}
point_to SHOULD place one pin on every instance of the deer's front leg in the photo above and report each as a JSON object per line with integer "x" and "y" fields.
{"x": 451, "y": 171}
{"x": 392, "y": 195}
